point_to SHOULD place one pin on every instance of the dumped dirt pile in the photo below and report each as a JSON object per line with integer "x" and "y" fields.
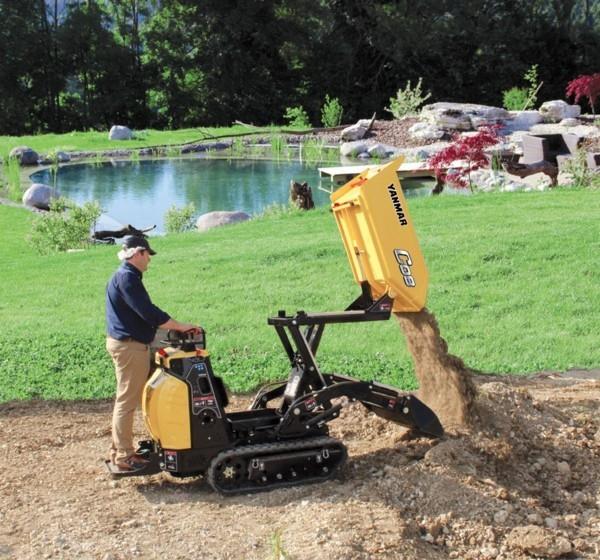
{"x": 524, "y": 481}
{"x": 445, "y": 383}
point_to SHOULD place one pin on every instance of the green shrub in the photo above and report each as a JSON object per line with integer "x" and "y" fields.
{"x": 582, "y": 175}
{"x": 65, "y": 226}
{"x": 12, "y": 178}
{"x": 274, "y": 210}
{"x": 277, "y": 145}
{"x": 178, "y": 220}
{"x": 514, "y": 99}
{"x": 518, "y": 99}
{"x": 312, "y": 151}
{"x": 531, "y": 77}
{"x": 297, "y": 116}
{"x": 407, "y": 100}
{"x": 331, "y": 112}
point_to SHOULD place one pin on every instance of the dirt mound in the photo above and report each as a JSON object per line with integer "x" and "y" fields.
{"x": 523, "y": 482}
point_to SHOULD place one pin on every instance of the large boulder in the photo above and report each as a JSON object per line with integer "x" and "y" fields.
{"x": 356, "y": 131}
{"x": 353, "y": 149}
{"x": 377, "y": 151}
{"x": 462, "y": 116}
{"x": 581, "y": 130}
{"x": 39, "y": 196}
{"x": 220, "y": 218}
{"x": 118, "y": 132}
{"x": 25, "y": 155}
{"x": 425, "y": 131}
{"x": 522, "y": 120}
{"x": 557, "y": 110}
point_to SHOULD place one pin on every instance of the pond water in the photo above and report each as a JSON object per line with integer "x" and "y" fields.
{"x": 139, "y": 193}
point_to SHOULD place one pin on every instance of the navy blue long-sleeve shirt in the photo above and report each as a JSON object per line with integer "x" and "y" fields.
{"x": 129, "y": 311}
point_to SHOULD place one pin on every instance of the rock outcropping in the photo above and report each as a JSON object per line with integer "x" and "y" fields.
{"x": 118, "y": 132}
{"x": 220, "y": 218}
{"x": 463, "y": 116}
{"x": 25, "y": 155}
{"x": 39, "y": 196}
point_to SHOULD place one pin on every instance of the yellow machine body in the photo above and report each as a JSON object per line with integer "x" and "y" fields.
{"x": 166, "y": 406}
{"x": 379, "y": 237}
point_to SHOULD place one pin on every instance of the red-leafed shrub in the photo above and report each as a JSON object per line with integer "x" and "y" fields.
{"x": 469, "y": 150}
{"x": 585, "y": 86}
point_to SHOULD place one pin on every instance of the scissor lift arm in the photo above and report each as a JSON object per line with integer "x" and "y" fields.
{"x": 308, "y": 390}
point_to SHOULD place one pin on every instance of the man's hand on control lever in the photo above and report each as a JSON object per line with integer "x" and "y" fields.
{"x": 174, "y": 325}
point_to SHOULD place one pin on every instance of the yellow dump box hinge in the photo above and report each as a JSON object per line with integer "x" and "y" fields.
{"x": 379, "y": 237}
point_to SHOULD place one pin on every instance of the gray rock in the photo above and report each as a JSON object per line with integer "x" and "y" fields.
{"x": 522, "y": 120}
{"x": 564, "y": 470}
{"x": 535, "y": 519}
{"x": 581, "y": 130}
{"x": 538, "y": 541}
{"x": 377, "y": 150}
{"x": 425, "y": 131}
{"x": 220, "y": 218}
{"x": 557, "y": 110}
{"x": 536, "y": 182}
{"x": 488, "y": 180}
{"x": 463, "y": 116}
{"x": 569, "y": 122}
{"x": 118, "y": 132}
{"x": 39, "y": 196}
{"x": 25, "y": 155}
{"x": 353, "y": 148}
{"x": 356, "y": 131}
{"x": 191, "y": 148}
{"x": 501, "y": 516}
{"x": 60, "y": 157}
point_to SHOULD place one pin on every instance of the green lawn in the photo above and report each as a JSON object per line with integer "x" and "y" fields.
{"x": 94, "y": 141}
{"x": 514, "y": 283}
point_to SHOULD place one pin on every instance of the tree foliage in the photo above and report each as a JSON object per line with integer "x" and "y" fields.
{"x": 79, "y": 64}
{"x": 455, "y": 163}
{"x": 585, "y": 86}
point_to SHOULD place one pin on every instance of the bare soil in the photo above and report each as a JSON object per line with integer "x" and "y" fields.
{"x": 528, "y": 473}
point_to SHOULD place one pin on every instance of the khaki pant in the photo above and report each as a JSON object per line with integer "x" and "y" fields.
{"x": 132, "y": 367}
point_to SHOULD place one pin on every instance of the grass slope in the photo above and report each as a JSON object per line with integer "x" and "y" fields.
{"x": 95, "y": 140}
{"x": 514, "y": 283}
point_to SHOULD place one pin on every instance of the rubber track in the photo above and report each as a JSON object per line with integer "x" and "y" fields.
{"x": 263, "y": 449}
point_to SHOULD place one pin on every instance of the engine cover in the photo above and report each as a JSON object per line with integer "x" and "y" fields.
{"x": 166, "y": 410}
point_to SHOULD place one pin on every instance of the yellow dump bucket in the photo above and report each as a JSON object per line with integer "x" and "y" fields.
{"x": 378, "y": 234}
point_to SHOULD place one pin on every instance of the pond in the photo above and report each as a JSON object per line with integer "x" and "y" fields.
{"x": 139, "y": 193}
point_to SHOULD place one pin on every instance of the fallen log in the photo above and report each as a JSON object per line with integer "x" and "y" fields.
{"x": 109, "y": 236}
{"x": 525, "y": 169}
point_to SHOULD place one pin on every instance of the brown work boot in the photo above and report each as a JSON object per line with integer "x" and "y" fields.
{"x": 132, "y": 463}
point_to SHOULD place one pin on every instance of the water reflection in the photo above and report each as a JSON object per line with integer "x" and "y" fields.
{"x": 139, "y": 193}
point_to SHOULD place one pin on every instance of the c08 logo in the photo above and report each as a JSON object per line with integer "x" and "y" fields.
{"x": 404, "y": 263}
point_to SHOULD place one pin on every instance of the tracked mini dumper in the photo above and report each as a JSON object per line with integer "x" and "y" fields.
{"x": 283, "y": 440}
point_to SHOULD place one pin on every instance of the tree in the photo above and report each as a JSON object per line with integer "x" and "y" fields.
{"x": 585, "y": 86}
{"x": 95, "y": 67}
{"x": 128, "y": 20}
{"x": 23, "y": 91}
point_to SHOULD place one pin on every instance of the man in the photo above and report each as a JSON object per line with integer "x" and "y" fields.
{"x": 132, "y": 320}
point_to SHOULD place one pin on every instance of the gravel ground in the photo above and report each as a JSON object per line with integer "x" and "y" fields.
{"x": 524, "y": 483}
